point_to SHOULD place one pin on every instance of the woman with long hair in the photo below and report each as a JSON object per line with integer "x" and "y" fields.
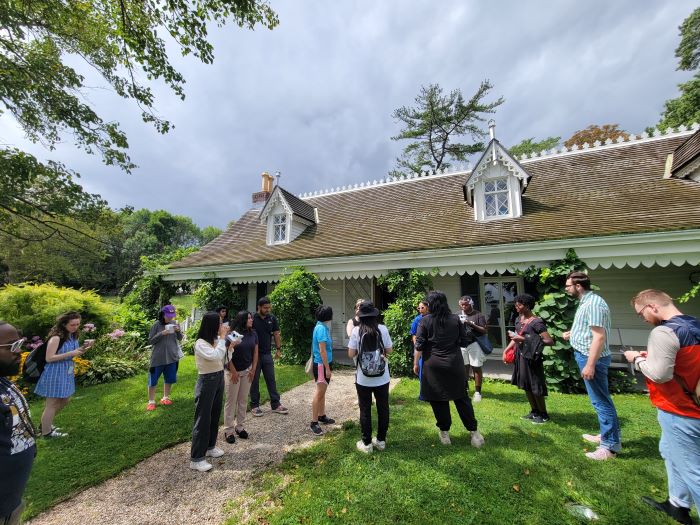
{"x": 322, "y": 347}
{"x": 439, "y": 341}
{"x": 354, "y": 320}
{"x": 164, "y": 337}
{"x": 209, "y": 351}
{"x": 528, "y": 371}
{"x": 57, "y": 381}
{"x": 241, "y": 362}
{"x": 371, "y": 344}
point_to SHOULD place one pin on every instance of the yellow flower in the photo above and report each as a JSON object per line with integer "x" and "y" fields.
{"x": 15, "y": 379}
{"x": 81, "y": 366}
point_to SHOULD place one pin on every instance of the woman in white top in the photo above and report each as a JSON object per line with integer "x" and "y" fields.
{"x": 354, "y": 321}
{"x": 371, "y": 343}
{"x": 209, "y": 351}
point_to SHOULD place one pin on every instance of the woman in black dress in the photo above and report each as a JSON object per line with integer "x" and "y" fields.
{"x": 438, "y": 341}
{"x": 528, "y": 373}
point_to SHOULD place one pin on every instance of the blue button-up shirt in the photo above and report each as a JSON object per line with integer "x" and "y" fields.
{"x": 592, "y": 311}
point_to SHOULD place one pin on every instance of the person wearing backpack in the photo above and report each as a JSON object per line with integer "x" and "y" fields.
{"x": 671, "y": 366}
{"x": 370, "y": 343}
{"x": 57, "y": 381}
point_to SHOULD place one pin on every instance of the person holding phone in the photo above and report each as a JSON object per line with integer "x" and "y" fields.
{"x": 164, "y": 337}
{"x": 57, "y": 381}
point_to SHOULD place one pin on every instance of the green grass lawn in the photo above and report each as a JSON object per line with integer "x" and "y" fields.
{"x": 185, "y": 302}
{"x": 110, "y": 430}
{"x": 526, "y": 474}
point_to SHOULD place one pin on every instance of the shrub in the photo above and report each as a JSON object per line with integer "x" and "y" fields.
{"x": 190, "y": 338}
{"x": 294, "y": 301}
{"x": 104, "y": 369}
{"x": 33, "y": 308}
{"x": 214, "y": 292}
{"x": 128, "y": 346}
{"x": 410, "y": 286}
{"x": 132, "y": 318}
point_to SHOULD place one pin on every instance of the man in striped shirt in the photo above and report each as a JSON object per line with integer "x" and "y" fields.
{"x": 589, "y": 337}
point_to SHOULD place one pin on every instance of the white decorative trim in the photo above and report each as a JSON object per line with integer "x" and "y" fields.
{"x": 689, "y": 169}
{"x": 647, "y": 249}
{"x": 524, "y": 159}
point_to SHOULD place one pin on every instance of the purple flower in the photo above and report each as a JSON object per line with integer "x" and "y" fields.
{"x": 88, "y": 327}
{"x": 116, "y": 334}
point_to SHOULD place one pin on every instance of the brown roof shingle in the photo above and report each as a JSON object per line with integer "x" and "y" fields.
{"x": 604, "y": 191}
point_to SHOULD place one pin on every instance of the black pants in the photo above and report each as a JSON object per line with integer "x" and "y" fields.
{"x": 364, "y": 398}
{"x": 267, "y": 366}
{"x": 443, "y": 419}
{"x": 208, "y": 400}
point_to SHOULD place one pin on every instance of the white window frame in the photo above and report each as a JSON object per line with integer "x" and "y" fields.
{"x": 274, "y": 225}
{"x": 495, "y": 193}
{"x": 483, "y": 280}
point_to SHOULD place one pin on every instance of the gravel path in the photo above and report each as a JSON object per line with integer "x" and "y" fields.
{"x": 164, "y": 490}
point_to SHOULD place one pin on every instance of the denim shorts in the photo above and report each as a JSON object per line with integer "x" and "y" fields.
{"x": 169, "y": 374}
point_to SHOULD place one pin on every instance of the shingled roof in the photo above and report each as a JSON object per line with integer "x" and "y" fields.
{"x": 686, "y": 153}
{"x": 606, "y": 190}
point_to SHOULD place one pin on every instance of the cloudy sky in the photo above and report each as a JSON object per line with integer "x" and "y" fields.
{"x": 313, "y": 98}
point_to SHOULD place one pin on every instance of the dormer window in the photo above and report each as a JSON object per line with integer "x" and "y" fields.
{"x": 496, "y": 198}
{"x": 495, "y": 186}
{"x": 279, "y": 228}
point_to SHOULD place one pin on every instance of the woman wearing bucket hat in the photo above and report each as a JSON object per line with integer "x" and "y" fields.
{"x": 370, "y": 343}
{"x": 164, "y": 337}
{"x": 440, "y": 336}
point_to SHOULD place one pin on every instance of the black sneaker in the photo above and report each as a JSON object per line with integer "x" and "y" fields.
{"x": 680, "y": 514}
{"x": 530, "y": 416}
{"x": 540, "y": 419}
{"x": 316, "y": 428}
{"x": 326, "y": 420}
{"x": 242, "y": 434}
{"x": 231, "y": 439}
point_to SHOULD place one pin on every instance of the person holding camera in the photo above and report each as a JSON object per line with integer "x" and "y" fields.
{"x": 57, "y": 381}
{"x": 475, "y": 322}
{"x": 528, "y": 370}
{"x": 241, "y": 362}
{"x": 164, "y": 337}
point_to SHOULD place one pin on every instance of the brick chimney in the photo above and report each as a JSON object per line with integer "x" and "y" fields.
{"x": 260, "y": 197}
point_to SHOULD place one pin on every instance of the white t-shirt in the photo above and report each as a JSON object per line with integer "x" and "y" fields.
{"x": 354, "y": 343}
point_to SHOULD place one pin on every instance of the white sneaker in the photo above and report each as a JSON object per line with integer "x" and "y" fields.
{"x": 201, "y": 466}
{"x": 476, "y": 398}
{"x": 367, "y": 449}
{"x": 214, "y": 453}
{"x": 379, "y": 445}
{"x": 445, "y": 437}
{"x": 477, "y": 439}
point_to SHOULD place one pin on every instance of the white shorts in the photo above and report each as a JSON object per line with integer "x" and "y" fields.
{"x": 473, "y": 355}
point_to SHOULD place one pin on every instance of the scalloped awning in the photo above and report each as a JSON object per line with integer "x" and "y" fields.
{"x": 662, "y": 249}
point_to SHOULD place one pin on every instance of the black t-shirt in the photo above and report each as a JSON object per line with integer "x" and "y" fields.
{"x": 265, "y": 327}
{"x": 242, "y": 356}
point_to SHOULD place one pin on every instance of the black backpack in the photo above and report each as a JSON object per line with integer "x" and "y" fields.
{"x": 370, "y": 358}
{"x": 36, "y": 362}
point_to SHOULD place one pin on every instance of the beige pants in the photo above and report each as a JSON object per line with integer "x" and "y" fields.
{"x": 236, "y": 401}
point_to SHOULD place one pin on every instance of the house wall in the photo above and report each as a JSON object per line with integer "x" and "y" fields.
{"x": 449, "y": 284}
{"x": 252, "y": 299}
{"x": 297, "y": 229}
{"x": 618, "y": 286}
{"x": 332, "y": 295}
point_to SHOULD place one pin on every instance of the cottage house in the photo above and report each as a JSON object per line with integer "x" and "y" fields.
{"x": 630, "y": 209}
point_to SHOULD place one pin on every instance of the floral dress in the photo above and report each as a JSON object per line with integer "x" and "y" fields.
{"x": 58, "y": 379}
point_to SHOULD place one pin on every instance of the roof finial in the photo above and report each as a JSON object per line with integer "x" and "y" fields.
{"x": 277, "y": 176}
{"x": 492, "y": 129}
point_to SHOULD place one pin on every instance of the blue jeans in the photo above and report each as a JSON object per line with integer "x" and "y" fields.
{"x": 602, "y": 402}
{"x": 680, "y": 448}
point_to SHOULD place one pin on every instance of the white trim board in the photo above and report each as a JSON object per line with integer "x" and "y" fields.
{"x": 648, "y": 249}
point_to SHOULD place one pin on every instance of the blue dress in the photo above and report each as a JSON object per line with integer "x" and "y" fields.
{"x": 58, "y": 379}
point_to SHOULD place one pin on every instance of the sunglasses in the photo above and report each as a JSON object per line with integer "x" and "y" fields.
{"x": 16, "y": 347}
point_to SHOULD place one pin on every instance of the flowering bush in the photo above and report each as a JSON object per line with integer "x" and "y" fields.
{"x": 116, "y": 334}
{"x": 81, "y": 366}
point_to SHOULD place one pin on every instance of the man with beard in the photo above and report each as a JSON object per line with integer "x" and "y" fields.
{"x": 17, "y": 436}
{"x": 671, "y": 366}
{"x": 589, "y": 337}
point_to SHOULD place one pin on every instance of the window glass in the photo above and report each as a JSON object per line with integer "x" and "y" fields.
{"x": 279, "y": 225}
{"x": 496, "y": 198}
